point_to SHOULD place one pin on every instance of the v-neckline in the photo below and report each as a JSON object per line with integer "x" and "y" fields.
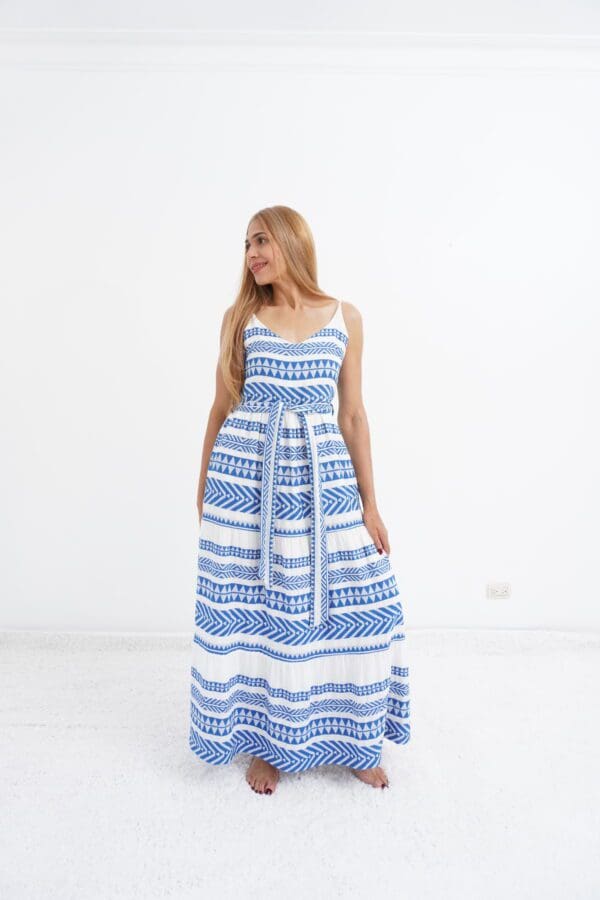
{"x": 305, "y": 340}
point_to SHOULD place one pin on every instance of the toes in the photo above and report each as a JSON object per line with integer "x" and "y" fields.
{"x": 254, "y": 785}
{"x": 376, "y": 776}
{"x": 261, "y": 778}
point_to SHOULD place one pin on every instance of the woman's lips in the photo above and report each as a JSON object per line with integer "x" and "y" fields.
{"x": 258, "y": 267}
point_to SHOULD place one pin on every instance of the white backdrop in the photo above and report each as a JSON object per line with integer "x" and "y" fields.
{"x": 453, "y": 190}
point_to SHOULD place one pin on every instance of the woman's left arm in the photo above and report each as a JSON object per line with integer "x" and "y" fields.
{"x": 353, "y": 423}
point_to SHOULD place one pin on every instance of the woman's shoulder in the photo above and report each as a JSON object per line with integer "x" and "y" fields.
{"x": 349, "y": 308}
{"x": 351, "y": 314}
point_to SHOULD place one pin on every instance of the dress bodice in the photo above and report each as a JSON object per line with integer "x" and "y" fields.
{"x": 303, "y": 371}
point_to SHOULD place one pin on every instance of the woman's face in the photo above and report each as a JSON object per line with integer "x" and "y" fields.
{"x": 262, "y": 255}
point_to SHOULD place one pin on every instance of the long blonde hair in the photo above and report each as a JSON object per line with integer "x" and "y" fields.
{"x": 291, "y": 233}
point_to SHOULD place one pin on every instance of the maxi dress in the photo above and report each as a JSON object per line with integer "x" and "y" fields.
{"x": 298, "y": 653}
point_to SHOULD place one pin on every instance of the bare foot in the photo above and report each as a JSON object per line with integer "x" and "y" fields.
{"x": 375, "y": 776}
{"x": 262, "y": 776}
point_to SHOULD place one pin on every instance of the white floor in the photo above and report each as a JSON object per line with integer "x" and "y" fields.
{"x": 496, "y": 796}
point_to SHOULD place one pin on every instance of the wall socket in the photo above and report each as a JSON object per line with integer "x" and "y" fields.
{"x": 498, "y": 590}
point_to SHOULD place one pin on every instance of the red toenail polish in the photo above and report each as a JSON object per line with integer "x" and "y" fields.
{"x": 268, "y": 791}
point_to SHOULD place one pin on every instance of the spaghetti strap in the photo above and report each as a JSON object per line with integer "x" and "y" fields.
{"x": 340, "y": 317}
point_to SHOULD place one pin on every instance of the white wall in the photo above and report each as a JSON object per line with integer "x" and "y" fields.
{"x": 452, "y": 186}
{"x": 515, "y": 17}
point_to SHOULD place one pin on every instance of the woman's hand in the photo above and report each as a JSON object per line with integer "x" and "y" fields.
{"x": 377, "y": 530}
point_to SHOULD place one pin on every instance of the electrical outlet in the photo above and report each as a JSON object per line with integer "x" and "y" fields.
{"x": 498, "y": 590}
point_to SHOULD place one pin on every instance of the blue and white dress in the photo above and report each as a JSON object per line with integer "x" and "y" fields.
{"x": 298, "y": 654}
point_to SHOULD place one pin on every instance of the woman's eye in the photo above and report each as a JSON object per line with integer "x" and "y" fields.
{"x": 260, "y": 240}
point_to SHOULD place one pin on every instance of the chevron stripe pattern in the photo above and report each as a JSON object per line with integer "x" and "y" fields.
{"x": 299, "y": 650}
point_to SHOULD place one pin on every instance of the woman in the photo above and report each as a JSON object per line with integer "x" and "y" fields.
{"x": 298, "y": 642}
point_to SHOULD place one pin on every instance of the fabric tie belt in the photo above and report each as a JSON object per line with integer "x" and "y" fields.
{"x": 318, "y": 543}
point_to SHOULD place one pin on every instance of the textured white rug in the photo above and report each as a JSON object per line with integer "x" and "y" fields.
{"x": 497, "y": 795}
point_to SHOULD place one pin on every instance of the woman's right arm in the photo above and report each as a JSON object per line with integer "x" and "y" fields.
{"x": 216, "y": 417}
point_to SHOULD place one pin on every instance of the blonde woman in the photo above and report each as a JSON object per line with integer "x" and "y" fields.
{"x": 298, "y": 655}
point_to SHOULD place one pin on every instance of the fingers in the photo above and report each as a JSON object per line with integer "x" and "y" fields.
{"x": 384, "y": 543}
{"x": 379, "y": 539}
{"x": 379, "y": 536}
